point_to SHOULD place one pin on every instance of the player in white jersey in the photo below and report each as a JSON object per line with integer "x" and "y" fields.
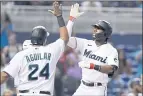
{"x": 34, "y": 68}
{"x": 26, "y": 44}
{"x": 99, "y": 58}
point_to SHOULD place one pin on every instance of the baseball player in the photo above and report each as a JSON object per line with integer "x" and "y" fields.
{"x": 26, "y": 44}
{"x": 99, "y": 58}
{"x": 34, "y": 68}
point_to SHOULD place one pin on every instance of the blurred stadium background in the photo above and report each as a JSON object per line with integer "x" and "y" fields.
{"x": 19, "y": 17}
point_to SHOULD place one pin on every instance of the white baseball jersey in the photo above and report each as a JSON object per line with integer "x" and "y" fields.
{"x": 90, "y": 52}
{"x": 34, "y": 68}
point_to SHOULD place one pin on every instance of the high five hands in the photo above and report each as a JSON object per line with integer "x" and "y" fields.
{"x": 74, "y": 12}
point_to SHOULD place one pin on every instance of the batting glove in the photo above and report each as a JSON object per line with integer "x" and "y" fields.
{"x": 83, "y": 64}
{"x": 74, "y": 12}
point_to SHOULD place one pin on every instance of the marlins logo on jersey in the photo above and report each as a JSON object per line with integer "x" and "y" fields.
{"x": 88, "y": 54}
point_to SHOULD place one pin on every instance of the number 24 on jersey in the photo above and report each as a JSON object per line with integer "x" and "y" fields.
{"x": 43, "y": 73}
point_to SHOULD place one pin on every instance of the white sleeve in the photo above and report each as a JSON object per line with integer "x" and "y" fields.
{"x": 69, "y": 27}
{"x": 14, "y": 66}
{"x": 72, "y": 42}
{"x": 113, "y": 58}
{"x": 59, "y": 46}
{"x": 76, "y": 43}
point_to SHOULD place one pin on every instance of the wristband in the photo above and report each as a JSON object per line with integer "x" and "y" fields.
{"x": 60, "y": 21}
{"x": 92, "y": 66}
{"x": 97, "y": 67}
{"x": 71, "y": 18}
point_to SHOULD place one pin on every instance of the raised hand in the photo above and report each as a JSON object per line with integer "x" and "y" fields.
{"x": 57, "y": 9}
{"x": 74, "y": 12}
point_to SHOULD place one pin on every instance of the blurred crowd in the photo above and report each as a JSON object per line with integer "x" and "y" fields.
{"x": 125, "y": 82}
{"x": 136, "y": 3}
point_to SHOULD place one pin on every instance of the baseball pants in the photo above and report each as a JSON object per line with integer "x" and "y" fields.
{"x": 84, "y": 90}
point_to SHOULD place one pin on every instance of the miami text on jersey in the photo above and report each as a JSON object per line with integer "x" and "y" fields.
{"x": 93, "y": 56}
{"x": 38, "y": 56}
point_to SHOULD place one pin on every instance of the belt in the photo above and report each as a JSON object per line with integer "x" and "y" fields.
{"x": 92, "y": 84}
{"x": 40, "y": 92}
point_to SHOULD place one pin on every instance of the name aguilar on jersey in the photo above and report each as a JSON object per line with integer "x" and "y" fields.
{"x": 38, "y": 56}
{"x": 93, "y": 56}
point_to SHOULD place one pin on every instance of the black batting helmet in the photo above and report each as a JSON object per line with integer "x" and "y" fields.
{"x": 39, "y": 35}
{"x": 105, "y": 26}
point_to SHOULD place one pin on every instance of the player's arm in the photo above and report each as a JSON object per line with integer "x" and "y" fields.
{"x": 4, "y": 77}
{"x": 110, "y": 67}
{"x": 12, "y": 69}
{"x": 105, "y": 68}
{"x": 57, "y": 11}
{"x": 74, "y": 14}
{"x": 101, "y": 68}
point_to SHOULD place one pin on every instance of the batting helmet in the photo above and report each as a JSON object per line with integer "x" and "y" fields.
{"x": 105, "y": 26}
{"x": 39, "y": 35}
